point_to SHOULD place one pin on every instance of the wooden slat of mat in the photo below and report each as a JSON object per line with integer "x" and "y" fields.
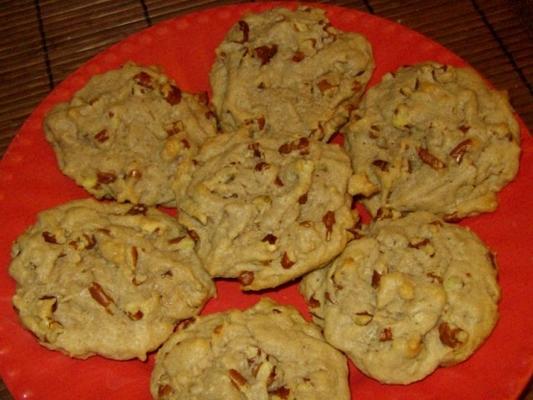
{"x": 507, "y": 29}
{"x": 24, "y": 82}
{"x": 75, "y": 31}
{"x": 469, "y": 36}
{"x": 163, "y": 9}
{"x": 23, "y": 77}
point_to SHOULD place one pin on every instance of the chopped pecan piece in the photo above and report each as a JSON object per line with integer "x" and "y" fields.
{"x": 185, "y": 143}
{"x": 302, "y": 199}
{"x": 270, "y": 238}
{"x": 298, "y": 56}
{"x": 381, "y": 164}
{"x": 98, "y": 294}
{"x": 245, "y": 29}
{"x": 285, "y": 148}
{"x": 105, "y": 177}
{"x": 434, "y": 278}
{"x": 272, "y": 376}
{"x": 193, "y": 235}
{"x": 49, "y": 237}
{"x": 418, "y": 245}
{"x": 282, "y": 392}
{"x": 324, "y": 85}
{"x": 265, "y": 53}
{"x": 286, "y": 262}
{"x": 237, "y": 377}
{"x": 385, "y": 335}
{"x": 91, "y": 241}
{"x": 459, "y": 151}
{"x": 464, "y": 128}
{"x": 301, "y": 144}
{"x": 101, "y": 136}
{"x": 260, "y": 122}
{"x": 313, "y": 303}
{"x": 329, "y": 220}
{"x": 246, "y": 278}
{"x": 136, "y": 316}
{"x": 430, "y": 159}
{"x": 137, "y": 209}
{"x": 255, "y": 149}
{"x": 164, "y": 390}
{"x": 176, "y": 240}
{"x": 143, "y": 79}
{"x": 261, "y": 166}
{"x": 173, "y": 96}
{"x": 278, "y": 181}
{"x": 376, "y": 278}
{"x": 448, "y": 336}
{"x": 328, "y": 297}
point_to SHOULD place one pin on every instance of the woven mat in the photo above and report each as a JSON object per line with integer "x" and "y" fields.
{"x": 42, "y": 41}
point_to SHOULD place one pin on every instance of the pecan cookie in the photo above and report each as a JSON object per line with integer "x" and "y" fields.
{"x": 290, "y": 72}
{"x": 265, "y": 210}
{"x": 123, "y": 134}
{"x": 107, "y": 279}
{"x": 265, "y": 352}
{"x": 409, "y": 295}
{"x": 432, "y": 137}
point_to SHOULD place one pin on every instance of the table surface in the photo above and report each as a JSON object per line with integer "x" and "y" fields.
{"x": 42, "y": 41}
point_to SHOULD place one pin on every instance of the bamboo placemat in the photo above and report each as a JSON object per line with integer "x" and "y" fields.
{"x": 42, "y": 41}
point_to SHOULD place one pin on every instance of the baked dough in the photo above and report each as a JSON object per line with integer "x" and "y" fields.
{"x": 289, "y": 72}
{"x": 409, "y": 295}
{"x": 267, "y": 352}
{"x": 122, "y": 135}
{"x": 265, "y": 210}
{"x": 432, "y": 137}
{"x": 107, "y": 279}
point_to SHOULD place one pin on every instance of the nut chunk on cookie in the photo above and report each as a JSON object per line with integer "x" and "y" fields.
{"x": 106, "y": 279}
{"x": 435, "y": 138}
{"x": 265, "y": 352}
{"x": 289, "y": 72}
{"x": 407, "y": 296}
{"x": 265, "y": 211}
{"x": 122, "y": 135}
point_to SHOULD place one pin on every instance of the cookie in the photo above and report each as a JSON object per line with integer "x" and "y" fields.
{"x": 264, "y": 210}
{"x": 122, "y": 135}
{"x": 410, "y": 295}
{"x": 289, "y": 72}
{"x": 106, "y": 279}
{"x": 435, "y": 138}
{"x": 265, "y": 352}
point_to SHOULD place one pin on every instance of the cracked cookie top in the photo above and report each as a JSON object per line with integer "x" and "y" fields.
{"x": 265, "y": 352}
{"x": 123, "y": 134}
{"x": 407, "y": 296}
{"x": 435, "y": 138}
{"x": 265, "y": 210}
{"x": 289, "y": 72}
{"x": 106, "y": 279}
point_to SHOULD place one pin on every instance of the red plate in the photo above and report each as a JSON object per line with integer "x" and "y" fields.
{"x": 31, "y": 182}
